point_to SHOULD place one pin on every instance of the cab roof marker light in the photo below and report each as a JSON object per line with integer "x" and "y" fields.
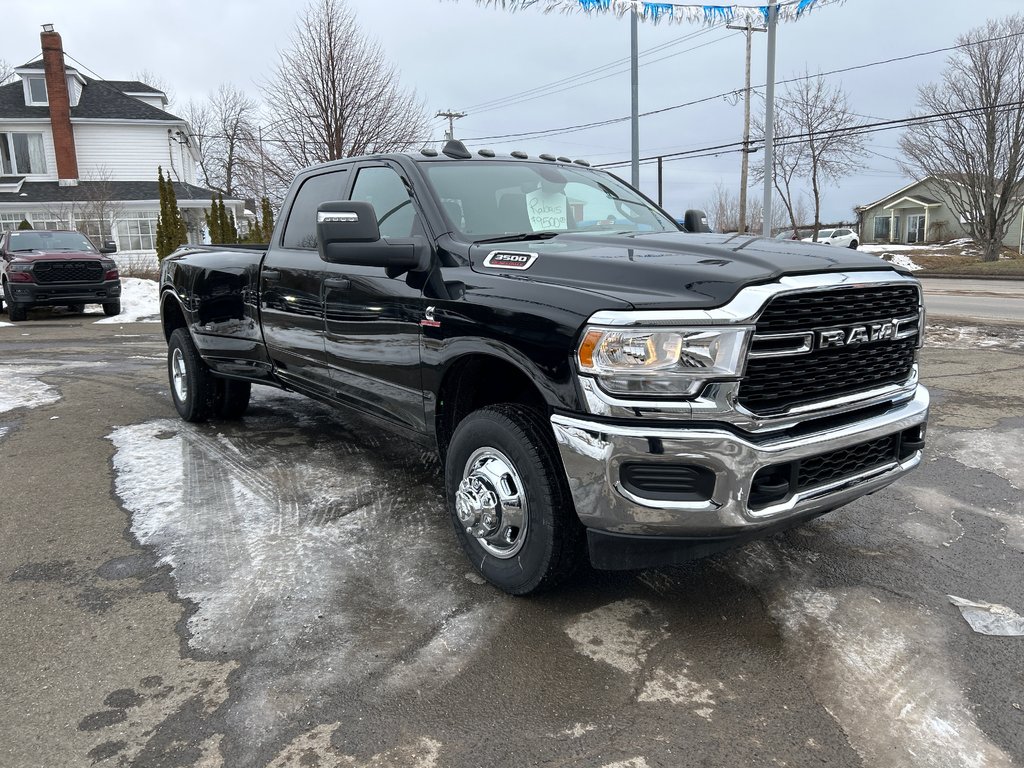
{"x": 546, "y": 156}
{"x": 429, "y": 152}
{"x": 519, "y": 154}
{"x": 582, "y": 162}
{"x": 564, "y": 160}
{"x": 485, "y": 152}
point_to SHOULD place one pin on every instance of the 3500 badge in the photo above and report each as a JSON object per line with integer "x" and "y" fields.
{"x": 510, "y": 260}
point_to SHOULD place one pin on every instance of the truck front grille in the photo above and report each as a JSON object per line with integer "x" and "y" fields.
{"x": 68, "y": 271}
{"x": 772, "y": 384}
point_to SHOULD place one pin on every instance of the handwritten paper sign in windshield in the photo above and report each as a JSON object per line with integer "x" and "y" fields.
{"x": 547, "y": 211}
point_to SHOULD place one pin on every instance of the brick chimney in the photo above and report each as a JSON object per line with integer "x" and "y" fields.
{"x": 60, "y": 107}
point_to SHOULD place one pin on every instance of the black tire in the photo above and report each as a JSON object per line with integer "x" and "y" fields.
{"x": 193, "y": 387}
{"x": 551, "y": 546}
{"x": 232, "y": 398}
{"x": 854, "y": 244}
{"x": 76, "y": 308}
{"x": 17, "y": 312}
{"x": 112, "y": 308}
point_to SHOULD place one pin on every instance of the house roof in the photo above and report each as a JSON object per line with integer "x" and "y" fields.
{"x": 134, "y": 86}
{"x": 921, "y": 200}
{"x": 34, "y": 193}
{"x": 891, "y": 195}
{"x": 100, "y": 99}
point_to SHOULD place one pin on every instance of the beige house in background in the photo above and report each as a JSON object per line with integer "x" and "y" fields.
{"x": 920, "y": 213}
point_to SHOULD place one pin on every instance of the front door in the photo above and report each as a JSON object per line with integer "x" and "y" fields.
{"x": 372, "y": 320}
{"x": 915, "y": 228}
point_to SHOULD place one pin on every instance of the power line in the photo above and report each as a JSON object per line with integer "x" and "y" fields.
{"x": 587, "y": 78}
{"x": 799, "y": 138}
{"x": 545, "y": 133}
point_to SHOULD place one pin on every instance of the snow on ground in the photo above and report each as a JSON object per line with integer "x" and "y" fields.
{"x": 891, "y": 254}
{"x": 890, "y": 248}
{"x": 954, "y": 336}
{"x": 140, "y": 302}
{"x": 284, "y": 493}
{"x": 20, "y": 387}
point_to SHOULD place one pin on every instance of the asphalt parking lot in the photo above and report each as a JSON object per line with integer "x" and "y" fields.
{"x": 286, "y": 591}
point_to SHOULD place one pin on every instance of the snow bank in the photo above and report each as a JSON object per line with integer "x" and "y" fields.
{"x": 139, "y": 302}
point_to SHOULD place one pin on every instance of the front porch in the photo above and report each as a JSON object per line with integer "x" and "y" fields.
{"x": 915, "y": 213}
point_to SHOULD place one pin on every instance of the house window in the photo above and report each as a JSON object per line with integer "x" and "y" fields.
{"x": 49, "y": 220}
{"x": 36, "y": 86}
{"x": 136, "y": 231}
{"x": 22, "y": 153}
{"x": 97, "y": 230}
{"x": 883, "y": 231}
{"x": 10, "y": 220}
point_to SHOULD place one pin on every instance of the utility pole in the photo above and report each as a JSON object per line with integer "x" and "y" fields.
{"x": 634, "y": 73}
{"x": 452, "y": 117}
{"x": 749, "y": 30}
{"x": 769, "y": 120}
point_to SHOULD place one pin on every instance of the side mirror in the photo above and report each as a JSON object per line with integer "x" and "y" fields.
{"x": 108, "y": 247}
{"x": 695, "y": 221}
{"x": 347, "y": 233}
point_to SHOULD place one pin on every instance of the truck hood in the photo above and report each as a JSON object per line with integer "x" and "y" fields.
{"x": 666, "y": 269}
{"x": 54, "y": 255}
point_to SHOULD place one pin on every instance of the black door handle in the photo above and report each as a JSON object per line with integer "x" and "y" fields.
{"x": 338, "y": 282}
{"x": 271, "y": 274}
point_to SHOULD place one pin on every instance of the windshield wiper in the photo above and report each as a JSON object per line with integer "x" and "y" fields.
{"x": 521, "y": 236}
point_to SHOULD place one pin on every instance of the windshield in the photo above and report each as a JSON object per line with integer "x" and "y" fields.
{"x": 49, "y": 241}
{"x": 489, "y": 199}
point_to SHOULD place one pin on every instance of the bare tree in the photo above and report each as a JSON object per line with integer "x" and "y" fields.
{"x": 224, "y": 130}
{"x": 6, "y": 72}
{"x": 156, "y": 81}
{"x": 723, "y": 210}
{"x": 976, "y": 158}
{"x": 95, "y": 212}
{"x": 333, "y": 94}
{"x": 814, "y": 143}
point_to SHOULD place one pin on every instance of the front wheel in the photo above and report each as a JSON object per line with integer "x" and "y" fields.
{"x": 193, "y": 388}
{"x": 16, "y": 312}
{"x": 854, "y": 244}
{"x": 112, "y": 308}
{"x": 509, "y": 500}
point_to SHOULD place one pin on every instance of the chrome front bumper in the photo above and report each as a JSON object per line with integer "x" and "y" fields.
{"x": 593, "y": 454}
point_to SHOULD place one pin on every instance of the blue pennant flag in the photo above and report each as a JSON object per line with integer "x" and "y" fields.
{"x": 656, "y": 10}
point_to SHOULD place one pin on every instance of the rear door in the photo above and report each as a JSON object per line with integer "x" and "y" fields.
{"x": 372, "y": 320}
{"x": 292, "y": 283}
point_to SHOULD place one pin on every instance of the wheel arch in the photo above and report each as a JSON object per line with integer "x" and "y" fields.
{"x": 172, "y": 314}
{"x": 477, "y": 379}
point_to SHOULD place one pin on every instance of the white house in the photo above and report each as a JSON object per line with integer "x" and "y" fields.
{"x": 79, "y": 153}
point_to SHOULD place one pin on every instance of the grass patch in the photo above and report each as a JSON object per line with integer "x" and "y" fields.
{"x": 958, "y": 258}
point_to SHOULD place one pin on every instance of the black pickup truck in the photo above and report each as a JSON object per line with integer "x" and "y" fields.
{"x": 594, "y": 377}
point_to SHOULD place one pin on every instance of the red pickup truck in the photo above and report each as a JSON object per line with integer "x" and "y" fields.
{"x": 56, "y": 268}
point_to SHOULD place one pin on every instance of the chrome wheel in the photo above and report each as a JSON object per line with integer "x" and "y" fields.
{"x": 179, "y": 376}
{"x": 491, "y": 503}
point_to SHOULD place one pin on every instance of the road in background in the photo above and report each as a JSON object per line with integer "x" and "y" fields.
{"x": 984, "y": 300}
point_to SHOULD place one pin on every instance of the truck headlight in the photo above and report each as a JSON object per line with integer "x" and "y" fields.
{"x": 661, "y": 361}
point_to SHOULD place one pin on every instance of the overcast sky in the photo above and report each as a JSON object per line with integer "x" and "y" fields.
{"x": 459, "y": 56}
